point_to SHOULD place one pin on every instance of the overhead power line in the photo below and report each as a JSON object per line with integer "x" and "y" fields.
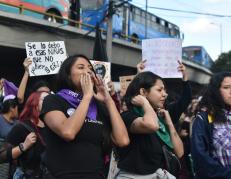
{"x": 190, "y": 12}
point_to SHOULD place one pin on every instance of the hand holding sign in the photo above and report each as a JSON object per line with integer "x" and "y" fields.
{"x": 181, "y": 68}
{"x": 27, "y": 62}
{"x": 162, "y": 56}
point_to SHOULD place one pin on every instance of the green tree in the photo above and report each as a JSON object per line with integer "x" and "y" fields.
{"x": 223, "y": 63}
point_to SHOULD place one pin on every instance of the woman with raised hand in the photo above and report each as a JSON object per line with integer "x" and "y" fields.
{"x": 177, "y": 107}
{"x": 211, "y": 137}
{"x": 39, "y": 86}
{"x": 150, "y": 128}
{"x": 82, "y": 123}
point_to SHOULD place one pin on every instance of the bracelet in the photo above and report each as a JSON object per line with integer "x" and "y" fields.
{"x": 21, "y": 147}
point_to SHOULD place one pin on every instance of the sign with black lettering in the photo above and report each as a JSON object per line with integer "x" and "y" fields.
{"x": 162, "y": 55}
{"x": 46, "y": 57}
{"x": 103, "y": 69}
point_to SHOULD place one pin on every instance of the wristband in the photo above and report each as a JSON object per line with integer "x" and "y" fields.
{"x": 21, "y": 147}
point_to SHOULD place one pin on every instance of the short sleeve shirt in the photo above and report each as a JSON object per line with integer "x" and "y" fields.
{"x": 144, "y": 154}
{"x": 83, "y": 154}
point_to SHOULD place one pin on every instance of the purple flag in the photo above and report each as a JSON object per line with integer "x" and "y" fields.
{"x": 9, "y": 88}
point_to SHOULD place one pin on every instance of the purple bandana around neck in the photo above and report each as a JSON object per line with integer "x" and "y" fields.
{"x": 74, "y": 99}
{"x": 9, "y": 88}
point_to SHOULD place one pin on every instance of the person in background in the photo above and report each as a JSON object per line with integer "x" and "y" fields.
{"x": 211, "y": 137}
{"x": 150, "y": 127}
{"x": 30, "y": 127}
{"x": 82, "y": 123}
{"x": 8, "y": 116}
{"x": 185, "y": 132}
{"x": 39, "y": 86}
{"x": 177, "y": 107}
{"x": 113, "y": 94}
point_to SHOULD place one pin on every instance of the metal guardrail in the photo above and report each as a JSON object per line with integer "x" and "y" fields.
{"x": 77, "y": 24}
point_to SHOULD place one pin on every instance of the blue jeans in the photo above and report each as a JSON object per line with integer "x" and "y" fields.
{"x": 18, "y": 174}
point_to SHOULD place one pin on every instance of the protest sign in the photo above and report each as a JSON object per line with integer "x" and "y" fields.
{"x": 124, "y": 82}
{"x": 103, "y": 69}
{"x": 162, "y": 55}
{"x": 46, "y": 57}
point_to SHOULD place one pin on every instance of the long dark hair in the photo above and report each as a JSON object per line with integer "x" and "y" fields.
{"x": 64, "y": 82}
{"x": 212, "y": 100}
{"x": 63, "y": 77}
{"x": 6, "y": 105}
{"x": 143, "y": 80}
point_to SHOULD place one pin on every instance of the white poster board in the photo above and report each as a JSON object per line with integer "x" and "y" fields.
{"x": 103, "y": 69}
{"x": 162, "y": 56}
{"x": 46, "y": 57}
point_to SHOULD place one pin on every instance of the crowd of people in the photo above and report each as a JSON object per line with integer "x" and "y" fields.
{"x": 84, "y": 129}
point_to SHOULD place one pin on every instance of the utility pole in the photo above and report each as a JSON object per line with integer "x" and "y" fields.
{"x": 146, "y": 20}
{"x": 109, "y": 31}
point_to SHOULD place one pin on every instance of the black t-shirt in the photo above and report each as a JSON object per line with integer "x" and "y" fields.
{"x": 32, "y": 157}
{"x": 144, "y": 154}
{"x": 81, "y": 157}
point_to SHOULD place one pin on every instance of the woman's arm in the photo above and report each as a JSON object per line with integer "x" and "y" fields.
{"x": 68, "y": 128}
{"x": 30, "y": 140}
{"x": 119, "y": 133}
{"x": 23, "y": 84}
{"x": 10, "y": 153}
{"x": 149, "y": 122}
{"x": 178, "y": 146}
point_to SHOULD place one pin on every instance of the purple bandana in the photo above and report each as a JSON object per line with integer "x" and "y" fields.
{"x": 74, "y": 99}
{"x": 9, "y": 88}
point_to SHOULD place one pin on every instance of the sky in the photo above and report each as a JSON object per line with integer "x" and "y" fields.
{"x": 213, "y": 33}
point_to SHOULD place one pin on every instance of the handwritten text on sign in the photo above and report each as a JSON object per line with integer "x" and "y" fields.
{"x": 162, "y": 56}
{"x": 47, "y": 57}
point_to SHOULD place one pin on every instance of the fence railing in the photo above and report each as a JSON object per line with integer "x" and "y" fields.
{"x": 77, "y": 24}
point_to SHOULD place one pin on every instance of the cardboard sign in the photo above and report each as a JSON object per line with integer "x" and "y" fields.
{"x": 103, "y": 69}
{"x": 124, "y": 82}
{"x": 162, "y": 55}
{"x": 46, "y": 57}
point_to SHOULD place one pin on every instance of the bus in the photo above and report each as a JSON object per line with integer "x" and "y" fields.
{"x": 37, "y": 8}
{"x": 130, "y": 20}
{"x": 197, "y": 54}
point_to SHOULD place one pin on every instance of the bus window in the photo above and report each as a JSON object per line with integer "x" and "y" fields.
{"x": 91, "y": 4}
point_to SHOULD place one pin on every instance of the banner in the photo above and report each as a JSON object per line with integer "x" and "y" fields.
{"x": 46, "y": 57}
{"x": 162, "y": 55}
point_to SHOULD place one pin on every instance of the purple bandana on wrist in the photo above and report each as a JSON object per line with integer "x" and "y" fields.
{"x": 74, "y": 99}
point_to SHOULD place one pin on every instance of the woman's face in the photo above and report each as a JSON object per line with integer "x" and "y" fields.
{"x": 225, "y": 90}
{"x": 157, "y": 94}
{"x": 81, "y": 66}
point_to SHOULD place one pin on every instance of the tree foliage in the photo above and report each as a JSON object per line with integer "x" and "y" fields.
{"x": 223, "y": 63}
